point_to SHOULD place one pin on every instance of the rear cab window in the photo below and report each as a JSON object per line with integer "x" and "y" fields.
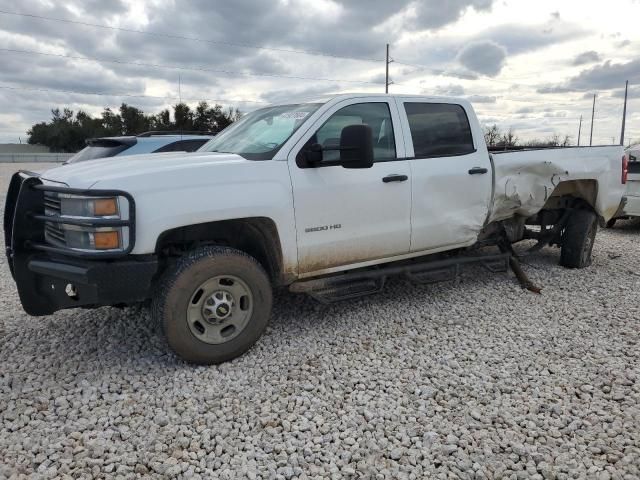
{"x": 439, "y": 129}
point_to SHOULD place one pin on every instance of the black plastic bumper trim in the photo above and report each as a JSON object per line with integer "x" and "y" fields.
{"x": 95, "y": 283}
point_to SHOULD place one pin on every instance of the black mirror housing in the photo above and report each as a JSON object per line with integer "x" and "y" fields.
{"x": 313, "y": 156}
{"x": 356, "y": 146}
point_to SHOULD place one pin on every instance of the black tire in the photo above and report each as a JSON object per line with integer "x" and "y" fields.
{"x": 611, "y": 223}
{"x": 177, "y": 287}
{"x": 578, "y": 239}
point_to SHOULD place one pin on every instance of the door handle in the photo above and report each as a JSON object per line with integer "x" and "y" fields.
{"x": 395, "y": 178}
{"x": 478, "y": 171}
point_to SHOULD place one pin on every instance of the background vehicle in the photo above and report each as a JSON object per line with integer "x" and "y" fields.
{"x": 325, "y": 198}
{"x": 630, "y": 205}
{"x": 149, "y": 142}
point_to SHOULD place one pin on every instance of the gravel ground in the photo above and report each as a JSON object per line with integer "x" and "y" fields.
{"x": 480, "y": 380}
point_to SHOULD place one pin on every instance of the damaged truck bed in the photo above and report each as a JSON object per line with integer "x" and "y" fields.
{"x": 526, "y": 179}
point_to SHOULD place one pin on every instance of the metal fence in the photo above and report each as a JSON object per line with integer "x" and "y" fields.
{"x": 34, "y": 157}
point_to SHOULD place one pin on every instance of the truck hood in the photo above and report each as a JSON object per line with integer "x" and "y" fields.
{"x": 110, "y": 170}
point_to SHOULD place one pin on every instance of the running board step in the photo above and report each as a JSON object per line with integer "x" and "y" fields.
{"x": 338, "y": 290}
{"x": 366, "y": 282}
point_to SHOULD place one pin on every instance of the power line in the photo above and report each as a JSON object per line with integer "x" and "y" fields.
{"x": 195, "y": 39}
{"x": 232, "y": 44}
{"x": 175, "y": 67}
{"x": 127, "y": 95}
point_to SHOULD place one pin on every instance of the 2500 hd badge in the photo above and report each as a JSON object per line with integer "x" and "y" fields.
{"x": 322, "y": 228}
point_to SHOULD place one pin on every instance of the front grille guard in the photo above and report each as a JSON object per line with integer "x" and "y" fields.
{"x": 25, "y": 225}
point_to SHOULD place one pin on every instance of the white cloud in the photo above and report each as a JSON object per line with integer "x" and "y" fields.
{"x": 497, "y": 54}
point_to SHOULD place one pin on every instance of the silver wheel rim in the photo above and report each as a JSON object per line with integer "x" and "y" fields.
{"x": 219, "y": 309}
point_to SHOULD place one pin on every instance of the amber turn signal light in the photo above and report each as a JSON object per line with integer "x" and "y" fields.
{"x": 105, "y": 206}
{"x": 106, "y": 240}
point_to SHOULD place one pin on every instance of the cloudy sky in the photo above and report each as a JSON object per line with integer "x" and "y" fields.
{"x": 532, "y": 66}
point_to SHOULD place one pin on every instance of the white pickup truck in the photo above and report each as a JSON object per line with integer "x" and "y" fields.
{"x": 326, "y": 197}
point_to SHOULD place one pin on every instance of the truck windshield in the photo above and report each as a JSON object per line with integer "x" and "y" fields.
{"x": 260, "y": 134}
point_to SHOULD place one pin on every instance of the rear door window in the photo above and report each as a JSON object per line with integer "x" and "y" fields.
{"x": 439, "y": 129}
{"x": 183, "y": 145}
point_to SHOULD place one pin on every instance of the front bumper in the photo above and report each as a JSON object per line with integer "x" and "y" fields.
{"x": 47, "y": 284}
{"x": 50, "y": 279}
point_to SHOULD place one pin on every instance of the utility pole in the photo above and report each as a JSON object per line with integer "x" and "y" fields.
{"x": 624, "y": 112}
{"x": 593, "y": 111}
{"x": 579, "y": 129}
{"x": 387, "y": 82}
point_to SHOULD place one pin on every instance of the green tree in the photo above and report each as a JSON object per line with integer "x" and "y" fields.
{"x": 162, "y": 121}
{"x": 39, "y": 134}
{"x": 204, "y": 118}
{"x": 111, "y": 123}
{"x": 183, "y": 117}
{"x": 134, "y": 120}
{"x": 68, "y": 131}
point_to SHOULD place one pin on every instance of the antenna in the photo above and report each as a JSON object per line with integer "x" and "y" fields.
{"x": 180, "y": 98}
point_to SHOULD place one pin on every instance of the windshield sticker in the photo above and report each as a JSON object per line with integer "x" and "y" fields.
{"x": 294, "y": 115}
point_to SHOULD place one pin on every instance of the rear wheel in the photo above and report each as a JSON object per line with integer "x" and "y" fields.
{"x": 213, "y": 305}
{"x": 578, "y": 239}
{"x": 611, "y": 223}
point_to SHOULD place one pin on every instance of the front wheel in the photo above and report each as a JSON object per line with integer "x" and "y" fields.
{"x": 213, "y": 304}
{"x": 578, "y": 239}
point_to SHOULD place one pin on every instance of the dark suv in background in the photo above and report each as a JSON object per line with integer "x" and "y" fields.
{"x": 149, "y": 142}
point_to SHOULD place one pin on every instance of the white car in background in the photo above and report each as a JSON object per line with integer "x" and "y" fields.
{"x": 630, "y": 206}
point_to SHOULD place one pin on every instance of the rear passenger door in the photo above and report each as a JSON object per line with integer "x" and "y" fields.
{"x": 451, "y": 177}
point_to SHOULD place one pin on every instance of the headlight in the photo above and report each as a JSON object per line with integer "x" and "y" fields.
{"x": 85, "y": 238}
{"x": 87, "y": 223}
{"x": 89, "y": 207}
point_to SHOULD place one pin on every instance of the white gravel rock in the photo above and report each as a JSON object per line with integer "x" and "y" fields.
{"x": 480, "y": 380}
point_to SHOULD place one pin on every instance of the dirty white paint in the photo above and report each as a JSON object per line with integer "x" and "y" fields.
{"x": 333, "y": 219}
{"x": 525, "y": 180}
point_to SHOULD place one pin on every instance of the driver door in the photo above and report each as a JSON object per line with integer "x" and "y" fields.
{"x": 352, "y": 216}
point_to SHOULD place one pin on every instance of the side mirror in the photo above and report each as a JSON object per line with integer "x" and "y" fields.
{"x": 313, "y": 155}
{"x": 356, "y": 146}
